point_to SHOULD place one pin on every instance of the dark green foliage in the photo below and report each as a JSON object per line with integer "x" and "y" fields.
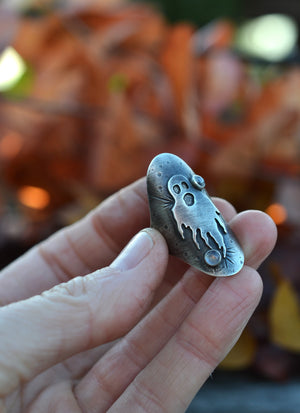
{"x": 199, "y": 12}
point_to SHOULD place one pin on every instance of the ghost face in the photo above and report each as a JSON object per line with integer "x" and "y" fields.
{"x": 194, "y": 209}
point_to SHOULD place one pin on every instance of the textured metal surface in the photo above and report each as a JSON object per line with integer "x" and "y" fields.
{"x": 183, "y": 212}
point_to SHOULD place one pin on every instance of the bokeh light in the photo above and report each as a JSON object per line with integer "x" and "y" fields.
{"x": 271, "y": 37}
{"x": 34, "y": 197}
{"x": 12, "y": 68}
{"x": 277, "y": 212}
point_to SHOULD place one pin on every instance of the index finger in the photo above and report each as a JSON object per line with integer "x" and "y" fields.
{"x": 91, "y": 243}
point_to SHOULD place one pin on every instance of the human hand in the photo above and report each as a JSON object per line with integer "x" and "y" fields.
{"x": 141, "y": 334}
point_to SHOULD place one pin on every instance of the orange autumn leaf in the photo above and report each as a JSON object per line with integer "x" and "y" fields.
{"x": 177, "y": 62}
{"x": 117, "y": 146}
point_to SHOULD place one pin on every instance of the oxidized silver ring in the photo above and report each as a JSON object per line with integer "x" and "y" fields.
{"x": 181, "y": 209}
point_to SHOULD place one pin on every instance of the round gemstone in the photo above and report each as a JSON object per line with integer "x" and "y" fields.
{"x": 212, "y": 258}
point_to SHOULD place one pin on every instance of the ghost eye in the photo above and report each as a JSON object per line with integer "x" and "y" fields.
{"x": 176, "y": 189}
{"x": 189, "y": 199}
{"x": 184, "y": 185}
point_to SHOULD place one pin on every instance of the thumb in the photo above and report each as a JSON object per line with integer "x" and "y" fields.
{"x": 83, "y": 313}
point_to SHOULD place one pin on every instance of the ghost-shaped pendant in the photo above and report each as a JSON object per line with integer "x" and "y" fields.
{"x": 183, "y": 212}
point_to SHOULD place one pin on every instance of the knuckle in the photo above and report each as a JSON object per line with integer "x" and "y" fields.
{"x": 199, "y": 345}
{"x": 146, "y": 398}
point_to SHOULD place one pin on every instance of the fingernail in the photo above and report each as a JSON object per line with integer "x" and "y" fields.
{"x": 137, "y": 249}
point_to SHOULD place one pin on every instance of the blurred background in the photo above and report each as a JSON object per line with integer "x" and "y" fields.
{"x": 91, "y": 91}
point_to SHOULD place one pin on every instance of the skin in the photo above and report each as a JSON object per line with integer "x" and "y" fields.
{"x": 141, "y": 334}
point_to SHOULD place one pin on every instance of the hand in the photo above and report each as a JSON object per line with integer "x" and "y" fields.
{"x": 140, "y": 335}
